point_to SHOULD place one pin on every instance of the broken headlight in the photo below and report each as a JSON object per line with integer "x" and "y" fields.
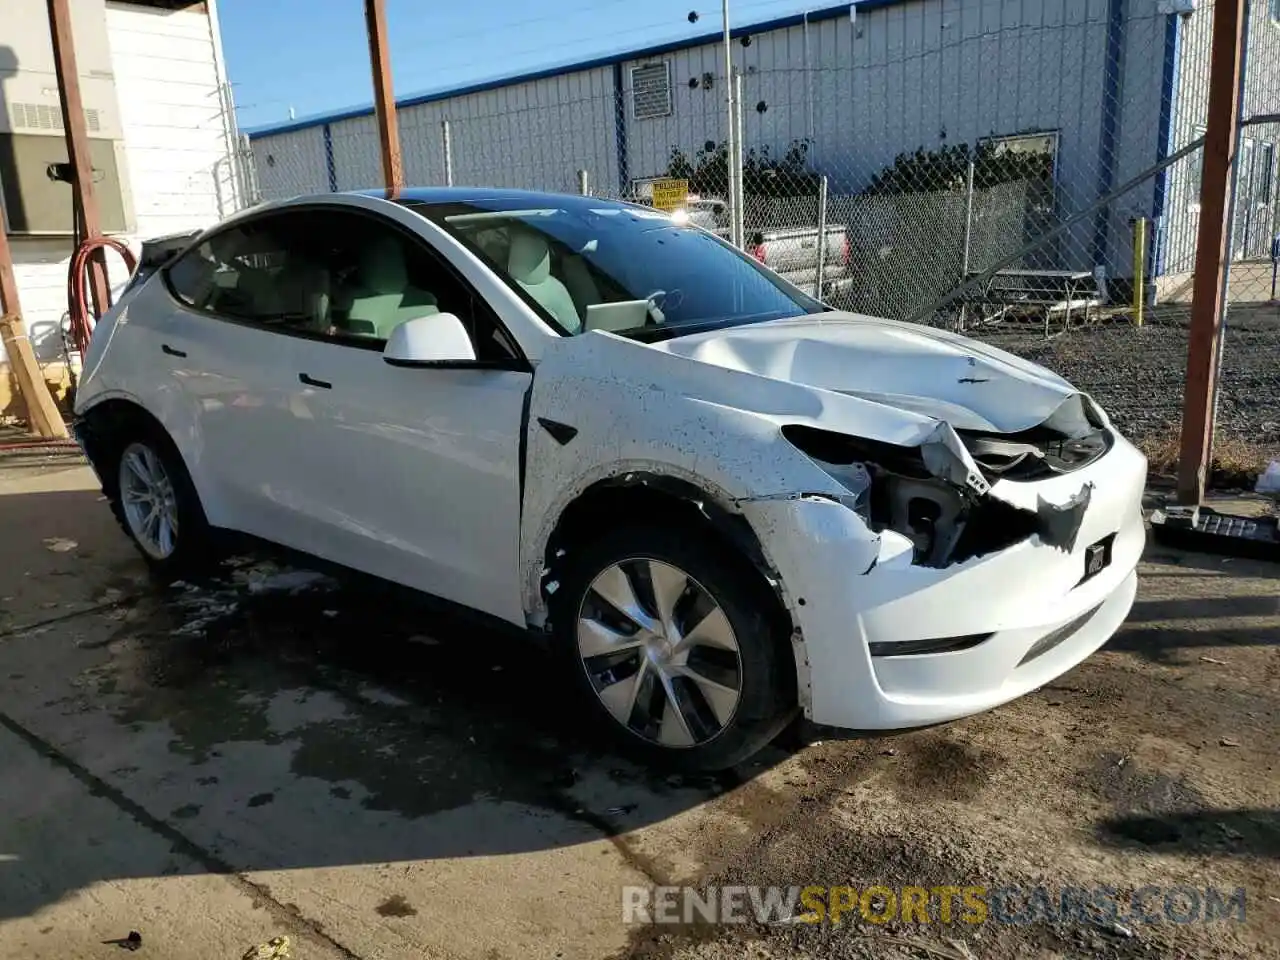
{"x": 891, "y": 489}
{"x": 947, "y": 520}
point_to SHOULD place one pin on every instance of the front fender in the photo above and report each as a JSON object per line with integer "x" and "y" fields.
{"x": 624, "y": 422}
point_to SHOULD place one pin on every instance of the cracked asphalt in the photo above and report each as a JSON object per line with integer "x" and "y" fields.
{"x": 274, "y": 753}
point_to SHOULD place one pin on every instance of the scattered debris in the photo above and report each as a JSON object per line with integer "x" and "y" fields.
{"x": 953, "y": 950}
{"x": 60, "y": 544}
{"x": 132, "y": 942}
{"x": 1269, "y": 479}
{"x": 288, "y": 581}
{"x": 1228, "y": 742}
{"x": 277, "y": 948}
{"x": 330, "y": 613}
{"x": 621, "y": 810}
{"x": 1117, "y": 929}
{"x": 889, "y": 752}
{"x": 1221, "y": 663}
{"x": 424, "y": 640}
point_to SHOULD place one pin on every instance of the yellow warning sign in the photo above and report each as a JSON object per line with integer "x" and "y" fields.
{"x": 670, "y": 195}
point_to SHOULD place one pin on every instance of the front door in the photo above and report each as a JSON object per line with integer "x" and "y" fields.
{"x": 414, "y": 474}
{"x": 410, "y": 474}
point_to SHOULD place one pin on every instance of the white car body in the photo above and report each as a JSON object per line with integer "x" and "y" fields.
{"x": 450, "y": 480}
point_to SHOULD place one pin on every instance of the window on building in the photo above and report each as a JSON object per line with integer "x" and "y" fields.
{"x": 1274, "y": 8}
{"x": 1041, "y": 144}
{"x": 651, "y": 90}
{"x": 1264, "y": 170}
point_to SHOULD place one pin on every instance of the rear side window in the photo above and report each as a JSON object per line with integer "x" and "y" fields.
{"x": 249, "y": 272}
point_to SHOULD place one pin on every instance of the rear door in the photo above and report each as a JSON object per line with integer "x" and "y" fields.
{"x": 230, "y": 343}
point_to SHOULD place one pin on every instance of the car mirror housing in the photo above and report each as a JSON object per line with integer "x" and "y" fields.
{"x": 433, "y": 340}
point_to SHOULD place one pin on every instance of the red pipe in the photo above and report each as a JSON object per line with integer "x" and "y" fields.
{"x": 78, "y": 302}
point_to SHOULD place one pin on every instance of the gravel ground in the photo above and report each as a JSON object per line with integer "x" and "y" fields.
{"x": 1137, "y": 374}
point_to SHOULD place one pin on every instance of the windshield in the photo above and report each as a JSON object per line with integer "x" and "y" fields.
{"x": 588, "y": 264}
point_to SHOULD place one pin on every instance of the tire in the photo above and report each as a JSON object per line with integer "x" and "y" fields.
{"x": 138, "y": 447}
{"x": 631, "y": 664}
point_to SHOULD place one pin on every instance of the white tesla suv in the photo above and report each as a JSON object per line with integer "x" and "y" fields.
{"x": 721, "y": 500}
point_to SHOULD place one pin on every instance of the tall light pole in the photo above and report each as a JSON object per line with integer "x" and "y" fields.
{"x": 735, "y": 194}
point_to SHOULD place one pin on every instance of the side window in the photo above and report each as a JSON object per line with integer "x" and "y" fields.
{"x": 330, "y": 273}
{"x": 254, "y": 272}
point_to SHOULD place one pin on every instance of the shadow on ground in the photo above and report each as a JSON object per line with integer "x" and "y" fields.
{"x": 269, "y": 718}
{"x": 1251, "y": 833}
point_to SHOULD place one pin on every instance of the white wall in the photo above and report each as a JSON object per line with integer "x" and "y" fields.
{"x": 176, "y": 151}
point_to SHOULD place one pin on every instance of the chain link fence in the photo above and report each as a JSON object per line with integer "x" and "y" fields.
{"x": 1026, "y": 173}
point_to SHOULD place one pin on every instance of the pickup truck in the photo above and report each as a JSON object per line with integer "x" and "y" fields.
{"x": 790, "y": 252}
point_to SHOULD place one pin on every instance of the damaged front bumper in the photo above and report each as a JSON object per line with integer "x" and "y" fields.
{"x": 887, "y": 643}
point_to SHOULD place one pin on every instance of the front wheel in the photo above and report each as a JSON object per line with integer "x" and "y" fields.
{"x": 677, "y": 645}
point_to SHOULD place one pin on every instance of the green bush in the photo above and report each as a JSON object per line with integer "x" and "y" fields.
{"x": 947, "y": 168}
{"x": 762, "y": 174}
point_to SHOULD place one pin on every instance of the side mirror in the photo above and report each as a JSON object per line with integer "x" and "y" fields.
{"x": 435, "y": 340}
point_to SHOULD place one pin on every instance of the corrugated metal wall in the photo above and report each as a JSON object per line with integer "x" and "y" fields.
{"x": 895, "y": 78}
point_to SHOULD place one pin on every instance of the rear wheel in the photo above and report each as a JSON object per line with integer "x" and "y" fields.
{"x": 154, "y": 500}
{"x": 677, "y": 645}
{"x": 148, "y": 501}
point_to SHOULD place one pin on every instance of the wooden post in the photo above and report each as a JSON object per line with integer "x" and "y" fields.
{"x": 73, "y": 122}
{"x": 1212, "y": 249}
{"x": 42, "y": 414}
{"x": 384, "y": 100}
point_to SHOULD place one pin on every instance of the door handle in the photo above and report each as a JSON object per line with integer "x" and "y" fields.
{"x": 171, "y": 351}
{"x": 311, "y": 381}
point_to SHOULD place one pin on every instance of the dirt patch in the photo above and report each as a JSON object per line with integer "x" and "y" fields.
{"x": 1115, "y": 776}
{"x": 396, "y": 906}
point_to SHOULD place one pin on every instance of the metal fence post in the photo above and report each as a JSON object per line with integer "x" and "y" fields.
{"x": 968, "y": 223}
{"x": 1212, "y": 249}
{"x": 822, "y": 236}
{"x": 1139, "y": 269}
{"x": 730, "y": 125}
{"x": 735, "y": 174}
{"x": 447, "y": 140}
{"x": 253, "y": 189}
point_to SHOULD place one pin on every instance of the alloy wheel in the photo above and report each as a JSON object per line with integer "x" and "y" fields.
{"x": 149, "y": 501}
{"x": 660, "y": 652}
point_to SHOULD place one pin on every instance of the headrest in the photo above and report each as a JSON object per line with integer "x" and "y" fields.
{"x": 382, "y": 268}
{"x": 529, "y": 260}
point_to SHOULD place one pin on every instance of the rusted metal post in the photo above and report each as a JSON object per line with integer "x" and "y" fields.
{"x": 384, "y": 100}
{"x": 1211, "y": 249}
{"x": 73, "y": 122}
{"x": 42, "y": 414}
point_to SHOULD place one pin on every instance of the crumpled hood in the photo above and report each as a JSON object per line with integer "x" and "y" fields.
{"x": 919, "y": 369}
